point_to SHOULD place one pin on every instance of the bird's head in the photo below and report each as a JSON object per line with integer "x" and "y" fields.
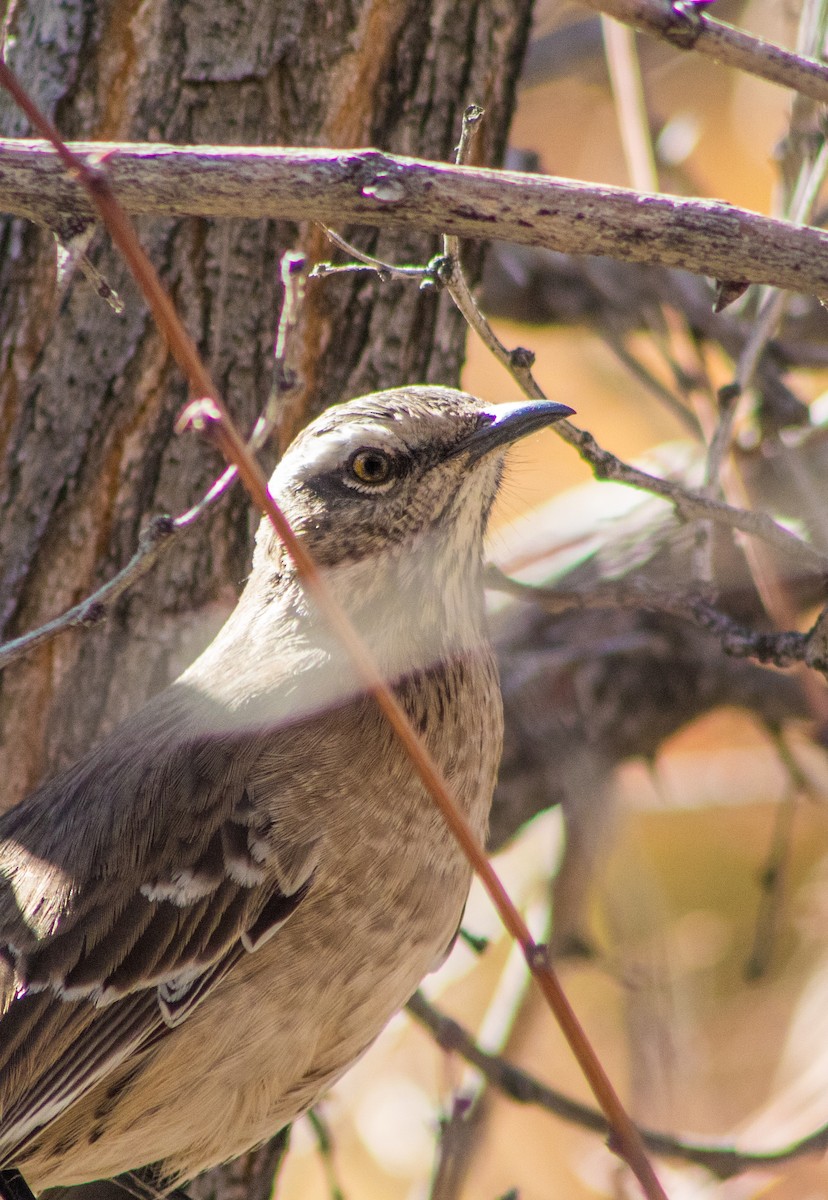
{"x": 390, "y": 493}
{"x": 399, "y": 472}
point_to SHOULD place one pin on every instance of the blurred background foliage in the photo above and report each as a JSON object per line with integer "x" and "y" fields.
{"x": 698, "y": 896}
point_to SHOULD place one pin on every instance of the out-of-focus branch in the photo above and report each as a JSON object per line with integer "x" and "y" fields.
{"x": 722, "y": 1161}
{"x": 688, "y": 28}
{"x": 778, "y": 649}
{"x": 383, "y": 190}
{"x": 690, "y": 504}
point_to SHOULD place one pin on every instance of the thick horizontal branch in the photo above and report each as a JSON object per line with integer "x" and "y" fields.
{"x": 371, "y": 188}
{"x": 692, "y": 29}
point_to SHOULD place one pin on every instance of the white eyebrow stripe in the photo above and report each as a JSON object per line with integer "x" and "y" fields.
{"x": 332, "y": 451}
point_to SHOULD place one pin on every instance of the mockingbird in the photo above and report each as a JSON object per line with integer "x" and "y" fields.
{"x": 213, "y": 914}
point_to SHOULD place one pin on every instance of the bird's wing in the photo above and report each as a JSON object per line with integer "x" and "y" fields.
{"x": 128, "y": 887}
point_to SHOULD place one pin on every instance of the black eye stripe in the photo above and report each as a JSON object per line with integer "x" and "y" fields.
{"x": 342, "y": 481}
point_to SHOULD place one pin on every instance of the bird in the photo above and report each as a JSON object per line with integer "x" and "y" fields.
{"x": 212, "y": 915}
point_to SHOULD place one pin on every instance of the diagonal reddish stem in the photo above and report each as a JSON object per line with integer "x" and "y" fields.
{"x": 210, "y": 412}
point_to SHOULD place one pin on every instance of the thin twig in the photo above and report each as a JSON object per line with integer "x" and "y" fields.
{"x": 723, "y": 1161}
{"x": 773, "y": 877}
{"x": 689, "y": 504}
{"x": 451, "y": 1165}
{"x": 644, "y": 375}
{"x": 774, "y": 649}
{"x": 163, "y": 531}
{"x": 325, "y": 1148}
{"x": 462, "y": 1134}
{"x": 772, "y": 884}
{"x": 688, "y": 28}
{"x": 158, "y": 535}
{"x": 210, "y": 415}
{"x": 292, "y": 274}
{"x": 802, "y": 203}
{"x": 364, "y": 262}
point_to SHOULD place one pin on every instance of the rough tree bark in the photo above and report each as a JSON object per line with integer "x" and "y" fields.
{"x": 89, "y": 397}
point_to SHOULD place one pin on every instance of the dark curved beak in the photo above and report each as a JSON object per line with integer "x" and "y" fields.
{"x": 508, "y": 423}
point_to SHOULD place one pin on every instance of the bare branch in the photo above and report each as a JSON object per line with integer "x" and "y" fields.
{"x": 292, "y": 272}
{"x": 722, "y": 1161}
{"x": 643, "y": 374}
{"x": 777, "y": 649}
{"x": 154, "y": 539}
{"x": 371, "y": 188}
{"x": 453, "y": 1148}
{"x": 364, "y": 262}
{"x": 325, "y": 1148}
{"x": 690, "y": 505}
{"x": 687, "y": 28}
{"x": 630, "y": 104}
{"x": 774, "y": 876}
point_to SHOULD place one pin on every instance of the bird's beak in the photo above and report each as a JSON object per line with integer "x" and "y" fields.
{"x": 508, "y": 423}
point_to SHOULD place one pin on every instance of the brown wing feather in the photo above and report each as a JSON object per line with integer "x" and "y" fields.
{"x": 115, "y": 924}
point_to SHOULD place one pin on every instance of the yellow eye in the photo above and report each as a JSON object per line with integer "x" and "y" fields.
{"x": 371, "y": 467}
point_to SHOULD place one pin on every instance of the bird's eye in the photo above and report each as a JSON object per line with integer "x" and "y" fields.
{"x": 371, "y": 467}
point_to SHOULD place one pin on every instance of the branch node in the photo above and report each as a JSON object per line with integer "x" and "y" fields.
{"x": 728, "y": 395}
{"x": 816, "y": 644}
{"x": 522, "y": 359}
{"x": 728, "y": 291}
{"x": 199, "y": 415}
{"x": 285, "y": 379}
{"x": 537, "y": 956}
{"x": 683, "y": 25}
{"x": 439, "y": 271}
{"x": 477, "y": 943}
{"x": 471, "y": 119}
{"x": 613, "y": 1144}
{"x": 387, "y": 189}
{"x": 158, "y": 530}
{"x": 293, "y": 263}
{"x": 93, "y": 614}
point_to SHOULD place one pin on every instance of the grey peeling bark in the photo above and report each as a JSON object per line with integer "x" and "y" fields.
{"x": 89, "y": 397}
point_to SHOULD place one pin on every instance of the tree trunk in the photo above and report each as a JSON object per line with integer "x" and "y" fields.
{"x": 89, "y": 397}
